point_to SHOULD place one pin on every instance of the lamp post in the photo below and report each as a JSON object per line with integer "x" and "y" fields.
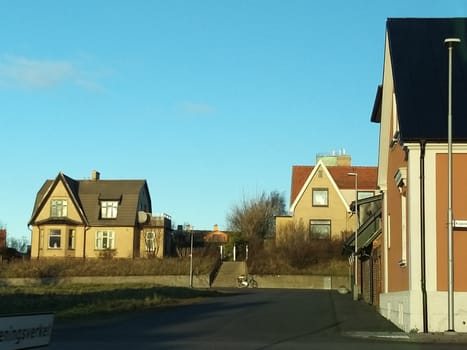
{"x": 355, "y": 287}
{"x": 450, "y": 43}
{"x": 191, "y": 255}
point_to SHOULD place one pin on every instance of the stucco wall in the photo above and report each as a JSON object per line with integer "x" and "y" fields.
{"x": 336, "y": 211}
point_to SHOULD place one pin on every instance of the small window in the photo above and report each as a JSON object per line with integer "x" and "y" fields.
{"x": 320, "y": 229}
{"x": 54, "y": 239}
{"x": 365, "y": 194}
{"x": 109, "y": 209}
{"x": 150, "y": 242}
{"x": 58, "y": 208}
{"x": 320, "y": 197}
{"x": 105, "y": 240}
{"x": 71, "y": 239}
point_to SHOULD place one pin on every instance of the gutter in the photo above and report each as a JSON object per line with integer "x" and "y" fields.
{"x": 422, "y": 236}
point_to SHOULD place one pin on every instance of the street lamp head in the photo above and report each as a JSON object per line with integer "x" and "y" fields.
{"x": 450, "y": 42}
{"x": 352, "y": 174}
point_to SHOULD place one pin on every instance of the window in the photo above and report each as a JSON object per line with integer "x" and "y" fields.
{"x": 150, "y": 241}
{"x": 71, "y": 239}
{"x": 320, "y": 229}
{"x": 105, "y": 240}
{"x": 365, "y": 194}
{"x": 54, "y": 238}
{"x": 58, "y": 208}
{"x": 109, "y": 209}
{"x": 320, "y": 197}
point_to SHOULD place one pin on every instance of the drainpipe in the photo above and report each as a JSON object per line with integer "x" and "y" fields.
{"x": 422, "y": 235}
{"x": 86, "y": 228}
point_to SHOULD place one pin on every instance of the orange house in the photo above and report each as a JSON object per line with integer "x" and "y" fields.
{"x": 411, "y": 107}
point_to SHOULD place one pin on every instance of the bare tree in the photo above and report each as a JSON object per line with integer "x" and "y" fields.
{"x": 254, "y": 218}
{"x": 20, "y": 244}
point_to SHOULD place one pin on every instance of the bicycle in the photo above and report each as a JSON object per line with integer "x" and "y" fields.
{"x": 246, "y": 281}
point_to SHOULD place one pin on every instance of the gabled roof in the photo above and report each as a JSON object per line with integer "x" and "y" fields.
{"x": 47, "y": 188}
{"x": 301, "y": 174}
{"x": 420, "y": 68}
{"x": 87, "y": 194}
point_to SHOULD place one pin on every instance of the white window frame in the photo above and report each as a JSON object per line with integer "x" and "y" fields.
{"x": 58, "y": 208}
{"x": 320, "y": 223}
{"x": 403, "y": 261}
{"x": 71, "y": 239}
{"x": 109, "y": 209}
{"x": 320, "y": 197}
{"x": 55, "y": 238}
{"x": 150, "y": 240}
{"x": 105, "y": 239}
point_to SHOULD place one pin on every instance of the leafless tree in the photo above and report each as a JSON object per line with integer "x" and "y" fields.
{"x": 254, "y": 218}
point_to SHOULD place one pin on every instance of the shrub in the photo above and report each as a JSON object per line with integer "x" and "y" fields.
{"x": 296, "y": 253}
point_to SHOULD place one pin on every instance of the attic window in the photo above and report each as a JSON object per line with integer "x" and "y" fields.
{"x": 58, "y": 208}
{"x": 109, "y": 209}
{"x": 320, "y": 197}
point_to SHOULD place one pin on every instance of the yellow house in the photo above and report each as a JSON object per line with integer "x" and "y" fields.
{"x": 96, "y": 218}
{"x": 321, "y": 194}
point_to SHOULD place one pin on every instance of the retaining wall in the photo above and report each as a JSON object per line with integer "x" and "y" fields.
{"x": 199, "y": 281}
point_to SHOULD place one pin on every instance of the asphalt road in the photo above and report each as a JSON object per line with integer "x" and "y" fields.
{"x": 242, "y": 319}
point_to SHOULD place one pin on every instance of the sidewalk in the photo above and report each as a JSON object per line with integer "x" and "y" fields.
{"x": 360, "y": 320}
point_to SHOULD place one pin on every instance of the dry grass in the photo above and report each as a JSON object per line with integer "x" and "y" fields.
{"x": 52, "y": 268}
{"x": 296, "y": 254}
{"x": 69, "y": 301}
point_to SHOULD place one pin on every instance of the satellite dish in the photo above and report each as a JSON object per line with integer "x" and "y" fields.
{"x": 143, "y": 217}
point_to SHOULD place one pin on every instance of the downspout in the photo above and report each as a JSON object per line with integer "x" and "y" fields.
{"x": 372, "y": 294}
{"x": 86, "y": 228}
{"x": 422, "y": 235}
{"x": 38, "y": 239}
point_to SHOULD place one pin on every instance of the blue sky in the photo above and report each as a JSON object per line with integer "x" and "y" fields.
{"x": 210, "y": 101}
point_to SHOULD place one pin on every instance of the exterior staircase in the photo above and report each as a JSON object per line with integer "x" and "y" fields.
{"x": 228, "y": 273}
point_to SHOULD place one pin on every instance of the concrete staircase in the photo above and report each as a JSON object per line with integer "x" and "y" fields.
{"x": 228, "y": 273}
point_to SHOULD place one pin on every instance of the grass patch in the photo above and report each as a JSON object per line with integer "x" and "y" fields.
{"x": 71, "y": 301}
{"x": 51, "y": 268}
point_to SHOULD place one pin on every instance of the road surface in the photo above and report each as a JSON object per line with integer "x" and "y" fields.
{"x": 242, "y": 319}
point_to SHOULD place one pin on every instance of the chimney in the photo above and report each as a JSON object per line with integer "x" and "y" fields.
{"x": 216, "y": 227}
{"x": 344, "y": 160}
{"x": 95, "y": 175}
{"x": 2, "y": 238}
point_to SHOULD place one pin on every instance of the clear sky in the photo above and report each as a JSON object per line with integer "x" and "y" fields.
{"x": 210, "y": 101}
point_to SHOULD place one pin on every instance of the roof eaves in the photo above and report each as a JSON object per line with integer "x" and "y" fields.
{"x": 376, "y": 112}
{"x": 305, "y": 185}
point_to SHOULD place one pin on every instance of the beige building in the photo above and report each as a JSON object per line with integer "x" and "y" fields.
{"x": 96, "y": 218}
{"x": 321, "y": 195}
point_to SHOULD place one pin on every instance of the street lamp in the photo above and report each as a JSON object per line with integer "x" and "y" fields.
{"x": 450, "y": 43}
{"x": 191, "y": 254}
{"x": 355, "y": 287}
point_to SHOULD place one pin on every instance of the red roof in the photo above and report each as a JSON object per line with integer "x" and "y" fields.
{"x": 367, "y": 177}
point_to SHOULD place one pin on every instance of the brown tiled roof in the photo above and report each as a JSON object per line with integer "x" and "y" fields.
{"x": 367, "y": 177}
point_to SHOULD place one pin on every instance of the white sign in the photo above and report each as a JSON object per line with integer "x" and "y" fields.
{"x": 25, "y": 331}
{"x": 460, "y": 223}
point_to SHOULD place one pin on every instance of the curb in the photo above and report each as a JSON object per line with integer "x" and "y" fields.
{"x": 459, "y": 338}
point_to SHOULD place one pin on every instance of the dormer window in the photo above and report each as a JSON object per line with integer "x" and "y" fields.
{"x": 58, "y": 208}
{"x": 109, "y": 209}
